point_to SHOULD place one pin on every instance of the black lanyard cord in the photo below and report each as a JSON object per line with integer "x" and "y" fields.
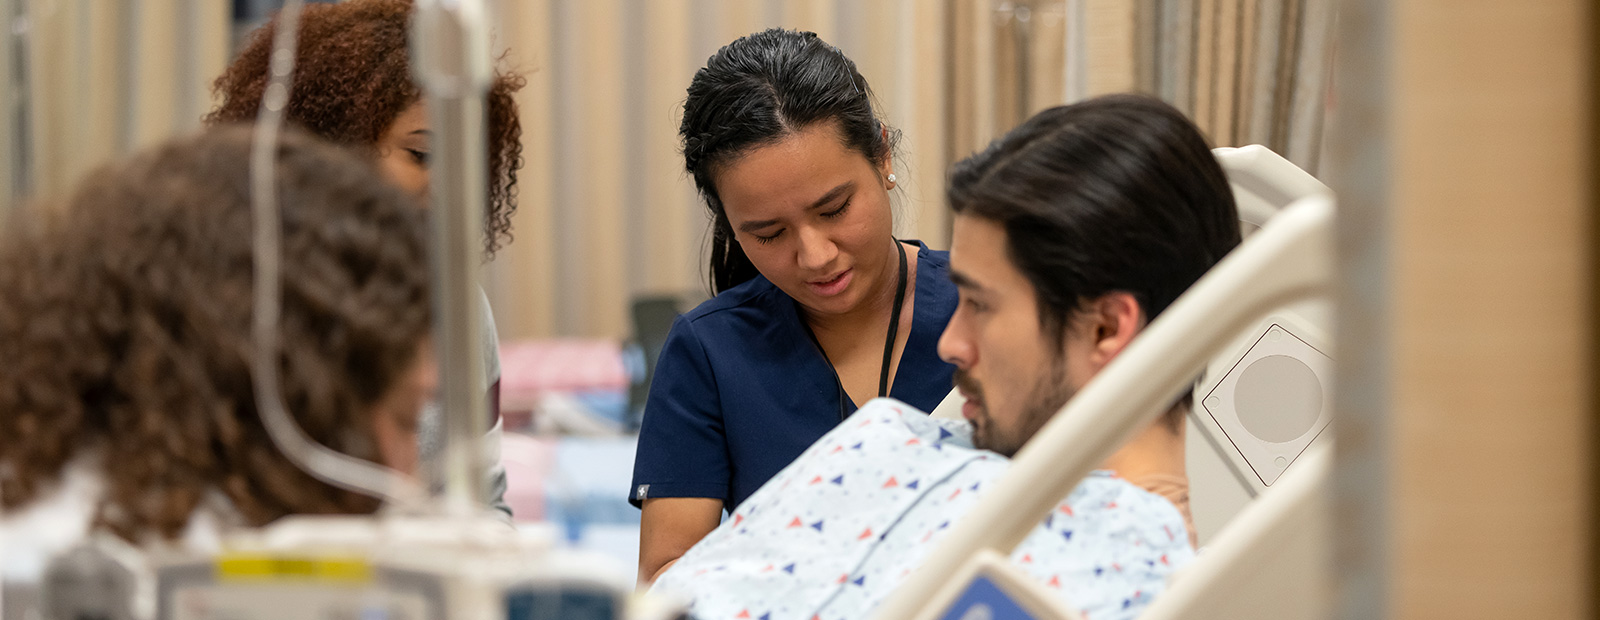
{"x": 894, "y": 323}
{"x": 888, "y": 344}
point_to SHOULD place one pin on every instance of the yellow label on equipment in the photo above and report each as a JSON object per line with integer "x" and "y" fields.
{"x": 255, "y": 567}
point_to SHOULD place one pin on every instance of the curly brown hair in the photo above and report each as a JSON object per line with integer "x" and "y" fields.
{"x": 126, "y": 330}
{"x": 353, "y": 79}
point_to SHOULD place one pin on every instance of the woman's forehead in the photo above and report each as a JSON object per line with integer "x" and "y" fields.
{"x": 790, "y": 175}
{"x": 410, "y": 120}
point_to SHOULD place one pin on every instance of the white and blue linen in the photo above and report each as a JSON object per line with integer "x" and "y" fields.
{"x": 837, "y": 530}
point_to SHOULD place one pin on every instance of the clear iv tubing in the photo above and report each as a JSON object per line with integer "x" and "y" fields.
{"x": 325, "y": 464}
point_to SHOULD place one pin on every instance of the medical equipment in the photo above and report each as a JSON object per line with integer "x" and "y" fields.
{"x": 330, "y": 466}
{"x": 448, "y": 559}
{"x": 451, "y": 57}
{"x": 1267, "y": 399}
{"x": 1274, "y": 560}
{"x": 1290, "y": 259}
{"x": 996, "y": 588}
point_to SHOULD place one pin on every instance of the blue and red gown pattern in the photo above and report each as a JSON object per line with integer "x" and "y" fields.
{"x": 839, "y": 528}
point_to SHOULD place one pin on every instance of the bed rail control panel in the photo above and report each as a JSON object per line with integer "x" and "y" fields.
{"x": 990, "y": 587}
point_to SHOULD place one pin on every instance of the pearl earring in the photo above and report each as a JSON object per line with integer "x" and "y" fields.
{"x": 891, "y": 177}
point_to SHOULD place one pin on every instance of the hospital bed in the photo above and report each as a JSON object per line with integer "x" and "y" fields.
{"x": 1267, "y": 400}
{"x": 1272, "y": 555}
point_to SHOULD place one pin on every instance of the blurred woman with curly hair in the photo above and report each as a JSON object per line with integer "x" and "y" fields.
{"x": 353, "y": 86}
{"x": 126, "y": 403}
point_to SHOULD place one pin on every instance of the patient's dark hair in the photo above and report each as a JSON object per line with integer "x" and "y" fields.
{"x": 1117, "y": 193}
{"x": 756, "y": 91}
{"x": 125, "y": 325}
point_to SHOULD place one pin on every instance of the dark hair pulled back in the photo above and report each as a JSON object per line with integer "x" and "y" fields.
{"x": 757, "y": 91}
{"x": 1117, "y": 193}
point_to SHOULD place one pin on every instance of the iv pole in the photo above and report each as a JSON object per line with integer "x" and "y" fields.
{"x": 450, "y": 58}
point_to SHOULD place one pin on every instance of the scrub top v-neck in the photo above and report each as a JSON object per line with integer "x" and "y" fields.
{"x": 740, "y": 389}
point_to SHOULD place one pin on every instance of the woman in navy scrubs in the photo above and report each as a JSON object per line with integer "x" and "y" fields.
{"x": 818, "y": 307}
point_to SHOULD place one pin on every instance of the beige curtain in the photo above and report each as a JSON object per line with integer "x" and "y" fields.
{"x": 1465, "y": 161}
{"x": 1247, "y": 71}
{"x": 98, "y": 79}
{"x": 606, "y": 213}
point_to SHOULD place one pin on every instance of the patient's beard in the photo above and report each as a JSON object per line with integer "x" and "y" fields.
{"x": 1049, "y": 393}
{"x": 973, "y": 391}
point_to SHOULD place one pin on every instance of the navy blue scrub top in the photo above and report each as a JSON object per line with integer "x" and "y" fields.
{"x": 740, "y": 389}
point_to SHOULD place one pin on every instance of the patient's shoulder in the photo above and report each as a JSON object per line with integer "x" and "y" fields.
{"x": 1129, "y": 511}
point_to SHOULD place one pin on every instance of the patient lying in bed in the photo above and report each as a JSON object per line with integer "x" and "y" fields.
{"x": 843, "y": 525}
{"x": 1071, "y": 234}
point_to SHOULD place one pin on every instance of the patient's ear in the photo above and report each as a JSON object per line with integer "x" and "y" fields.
{"x": 1110, "y": 322}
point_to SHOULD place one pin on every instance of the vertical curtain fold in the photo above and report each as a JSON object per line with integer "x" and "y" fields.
{"x": 608, "y": 215}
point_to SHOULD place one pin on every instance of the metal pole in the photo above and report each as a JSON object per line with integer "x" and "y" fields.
{"x": 130, "y": 47}
{"x": 10, "y": 102}
{"x": 450, "y": 57}
{"x": 1360, "y": 158}
{"x": 1022, "y": 43}
{"x": 1077, "y": 51}
{"x": 185, "y": 113}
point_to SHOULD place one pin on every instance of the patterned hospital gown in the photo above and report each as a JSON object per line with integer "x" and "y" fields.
{"x": 837, "y": 530}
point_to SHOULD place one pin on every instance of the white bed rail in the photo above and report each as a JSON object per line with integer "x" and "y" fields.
{"x": 1290, "y": 259}
{"x": 1263, "y": 182}
{"x": 1272, "y": 561}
